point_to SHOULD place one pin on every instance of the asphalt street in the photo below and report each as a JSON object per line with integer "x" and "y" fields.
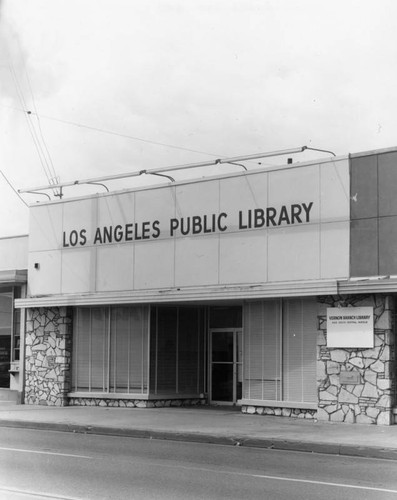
{"x": 54, "y": 465}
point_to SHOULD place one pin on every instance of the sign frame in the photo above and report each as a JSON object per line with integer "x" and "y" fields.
{"x": 350, "y": 327}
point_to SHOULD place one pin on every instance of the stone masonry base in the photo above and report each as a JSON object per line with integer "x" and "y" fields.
{"x": 279, "y": 412}
{"x": 134, "y": 403}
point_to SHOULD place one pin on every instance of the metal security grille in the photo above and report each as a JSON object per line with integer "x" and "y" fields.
{"x": 280, "y": 350}
{"x": 110, "y": 349}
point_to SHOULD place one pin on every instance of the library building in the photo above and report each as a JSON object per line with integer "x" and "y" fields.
{"x": 270, "y": 289}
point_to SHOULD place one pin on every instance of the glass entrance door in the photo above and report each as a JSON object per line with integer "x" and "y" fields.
{"x": 226, "y": 364}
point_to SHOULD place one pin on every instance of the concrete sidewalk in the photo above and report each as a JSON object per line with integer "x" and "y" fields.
{"x": 209, "y": 425}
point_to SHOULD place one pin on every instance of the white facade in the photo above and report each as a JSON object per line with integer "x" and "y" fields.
{"x": 256, "y": 228}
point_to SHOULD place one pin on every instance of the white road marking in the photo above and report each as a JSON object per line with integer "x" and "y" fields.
{"x": 280, "y": 478}
{"x": 45, "y": 452}
{"x": 324, "y": 483}
{"x": 53, "y": 496}
{"x": 201, "y": 469}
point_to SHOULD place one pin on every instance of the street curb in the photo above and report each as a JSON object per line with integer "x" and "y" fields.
{"x": 265, "y": 443}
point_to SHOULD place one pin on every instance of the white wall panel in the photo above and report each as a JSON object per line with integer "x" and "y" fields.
{"x": 46, "y": 279}
{"x": 243, "y": 260}
{"x": 154, "y": 264}
{"x": 114, "y": 209}
{"x": 78, "y": 271}
{"x": 14, "y": 253}
{"x": 296, "y": 185}
{"x": 197, "y": 199}
{"x": 245, "y": 228}
{"x": 334, "y": 250}
{"x": 114, "y": 268}
{"x": 242, "y": 193}
{"x": 196, "y": 261}
{"x": 335, "y": 191}
{"x": 156, "y": 204}
{"x": 45, "y": 227}
{"x": 294, "y": 253}
{"x": 77, "y": 216}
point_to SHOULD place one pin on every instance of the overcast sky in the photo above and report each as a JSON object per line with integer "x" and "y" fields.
{"x": 187, "y": 81}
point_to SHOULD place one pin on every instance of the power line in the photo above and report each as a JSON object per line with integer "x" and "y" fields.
{"x": 25, "y": 110}
{"x": 33, "y": 133}
{"x": 50, "y": 162}
{"x": 12, "y": 187}
{"x": 126, "y": 136}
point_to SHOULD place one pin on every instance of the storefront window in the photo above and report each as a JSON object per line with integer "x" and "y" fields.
{"x": 177, "y": 350}
{"x": 280, "y": 347}
{"x": 110, "y": 349}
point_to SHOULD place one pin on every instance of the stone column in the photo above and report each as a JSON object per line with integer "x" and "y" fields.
{"x": 371, "y": 400}
{"x": 48, "y": 356}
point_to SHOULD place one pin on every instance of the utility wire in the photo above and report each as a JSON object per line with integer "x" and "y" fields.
{"x": 126, "y": 136}
{"x": 12, "y": 187}
{"x": 31, "y": 128}
{"x": 25, "y": 110}
{"x": 49, "y": 161}
{"x": 134, "y": 138}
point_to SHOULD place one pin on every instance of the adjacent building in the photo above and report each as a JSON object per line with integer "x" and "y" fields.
{"x": 13, "y": 279}
{"x": 273, "y": 289}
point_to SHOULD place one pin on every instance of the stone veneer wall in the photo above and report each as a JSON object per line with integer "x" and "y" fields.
{"x": 370, "y": 401}
{"x": 279, "y": 412}
{"x": 48, "y": 356}
{"x": 134, "y": 403}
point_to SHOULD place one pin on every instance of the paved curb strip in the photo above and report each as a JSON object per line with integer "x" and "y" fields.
{"x": 267, "y": 443}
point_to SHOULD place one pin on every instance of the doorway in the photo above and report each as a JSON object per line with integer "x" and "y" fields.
{"x": 226, "y": 365}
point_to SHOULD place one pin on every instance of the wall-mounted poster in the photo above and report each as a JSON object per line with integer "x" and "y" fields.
{"x": 350, "y": 327}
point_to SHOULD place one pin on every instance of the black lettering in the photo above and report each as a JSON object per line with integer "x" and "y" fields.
{"x": 185, "y": 226}
{"x": 98, "y": 236}
{"x": 196, "y": 224}
{"x": 118, "y": 233}
{"x": 65, "y": 245}
{"x": 137, "y": 235}
{"x": 206, "y": 229}
{"x": 146, "y": 231}
{"x": 270, "y": 215}
{"x": 259, "y": 217}
{"x": 295, "y": 213}
{"x": 284, "y": 217}
{"x": 240, "y": 221}
{"x": 129, "y": 232}
{"x": 222, "y": 216}
{"x": 214, "y": 226}
{"x": 307, "y": 209}
{"x": 107, "y": 234}
{"x": 174, "y": 223}
{"x": 83, "y": 237}
{"x": 156, "y": 229}
{"x": 73, "y": 238}
{"x": 249, "y": 219}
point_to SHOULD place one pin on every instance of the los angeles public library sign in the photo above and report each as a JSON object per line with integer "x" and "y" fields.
{"x": 297, "y": 213}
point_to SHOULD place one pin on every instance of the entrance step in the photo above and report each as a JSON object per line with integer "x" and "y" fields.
{"x": 7, "y": 395}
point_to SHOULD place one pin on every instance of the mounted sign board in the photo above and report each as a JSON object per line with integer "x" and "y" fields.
{"x": 261, "y": 226}
{"x": 351, "y": 327}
